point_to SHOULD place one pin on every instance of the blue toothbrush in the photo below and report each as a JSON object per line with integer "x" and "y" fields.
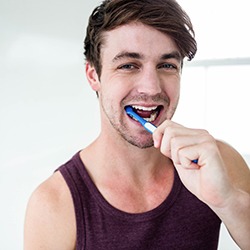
{"x": 147, "y": 125}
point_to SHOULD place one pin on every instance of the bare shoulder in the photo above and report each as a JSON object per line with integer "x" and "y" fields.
{"x": 237, "y": 168}
{"x": 50, "y": 219}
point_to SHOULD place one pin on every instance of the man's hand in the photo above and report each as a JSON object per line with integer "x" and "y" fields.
{"x": 221, "y": 178}
{"x": 208, "y": 179}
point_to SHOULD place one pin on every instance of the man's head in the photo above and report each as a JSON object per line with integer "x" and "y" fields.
{"x": 165, "y": 16}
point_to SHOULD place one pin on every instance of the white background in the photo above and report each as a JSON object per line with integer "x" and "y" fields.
{"x": 48, "y": 112}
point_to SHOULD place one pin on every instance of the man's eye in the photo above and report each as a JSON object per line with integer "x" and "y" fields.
{"x": 167, "y": 66}
{"x": 127, "y": 66}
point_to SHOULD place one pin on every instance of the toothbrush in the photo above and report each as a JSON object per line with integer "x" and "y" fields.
{"x": 147, "y": 125}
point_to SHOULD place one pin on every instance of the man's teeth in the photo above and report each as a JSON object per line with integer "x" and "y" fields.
{"x": 153, "y": 115}
{"x": 144, "y": 108}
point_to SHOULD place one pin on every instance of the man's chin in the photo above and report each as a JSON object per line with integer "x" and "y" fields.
{"x": 141, "y": 144}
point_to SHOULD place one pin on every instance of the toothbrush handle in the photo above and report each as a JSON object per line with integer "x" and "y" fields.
{"x": 149, "y": 127}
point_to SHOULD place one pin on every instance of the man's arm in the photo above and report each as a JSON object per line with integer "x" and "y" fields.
{"x": 50, "y": 222}
{"x": 221, "y": 179}
{"x": 236, "y": 212}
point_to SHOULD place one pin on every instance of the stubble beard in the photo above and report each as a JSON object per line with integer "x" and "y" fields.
{"x": 137, "y": 140}
{"x": 125, "y": 134}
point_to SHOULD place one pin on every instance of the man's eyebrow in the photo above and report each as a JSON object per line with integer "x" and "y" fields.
{"x": 126, "y": 54}
{"x": 134, "y": 55}
{"x": 173, "y": 55}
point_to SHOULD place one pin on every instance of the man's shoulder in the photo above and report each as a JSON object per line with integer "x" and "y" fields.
{"x": 51, "y": 192}
{"x": 50, "y": 214}
{"x": 236, "y": 167}
{"x": 52, "y": 197}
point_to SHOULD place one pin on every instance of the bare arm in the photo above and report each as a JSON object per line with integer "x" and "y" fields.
{"x": 221, "y": 179}
{"x": 50, "y": 222}
{"x": 236, "y": 212}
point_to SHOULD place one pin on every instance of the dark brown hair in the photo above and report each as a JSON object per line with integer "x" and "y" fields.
{"x": 167, "y": 16}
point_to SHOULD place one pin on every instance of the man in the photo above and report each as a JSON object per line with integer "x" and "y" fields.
{"x": 130, "y": 189}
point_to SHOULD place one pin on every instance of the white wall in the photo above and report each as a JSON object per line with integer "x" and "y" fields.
{"x": 47, "y": 110}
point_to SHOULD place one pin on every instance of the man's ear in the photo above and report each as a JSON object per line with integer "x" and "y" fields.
{"x": 92, "y": 77}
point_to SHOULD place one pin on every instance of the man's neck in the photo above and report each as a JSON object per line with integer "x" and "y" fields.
{"x": 112, "y": 155}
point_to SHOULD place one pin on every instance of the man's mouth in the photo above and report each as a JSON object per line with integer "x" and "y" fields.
{"x": 150, "y": 114}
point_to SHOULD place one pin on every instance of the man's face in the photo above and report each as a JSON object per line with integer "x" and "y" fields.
{"x": 141, "y": 67}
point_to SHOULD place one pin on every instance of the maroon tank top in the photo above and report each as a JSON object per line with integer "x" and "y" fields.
{"x": 181, "y": 222}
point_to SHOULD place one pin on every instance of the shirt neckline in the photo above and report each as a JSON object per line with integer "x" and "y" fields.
{"x": 109, "y": 208}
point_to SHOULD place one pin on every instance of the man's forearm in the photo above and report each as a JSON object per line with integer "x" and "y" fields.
{"x": 236, "y": 217}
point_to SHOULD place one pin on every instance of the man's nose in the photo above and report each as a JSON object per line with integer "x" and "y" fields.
{"x": 149, "y": 83}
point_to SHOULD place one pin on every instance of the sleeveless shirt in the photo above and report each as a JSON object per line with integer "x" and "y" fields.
{"x": 180, "y": 222}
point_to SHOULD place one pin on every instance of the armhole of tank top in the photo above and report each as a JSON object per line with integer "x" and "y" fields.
{"x": 69, "y": 177}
